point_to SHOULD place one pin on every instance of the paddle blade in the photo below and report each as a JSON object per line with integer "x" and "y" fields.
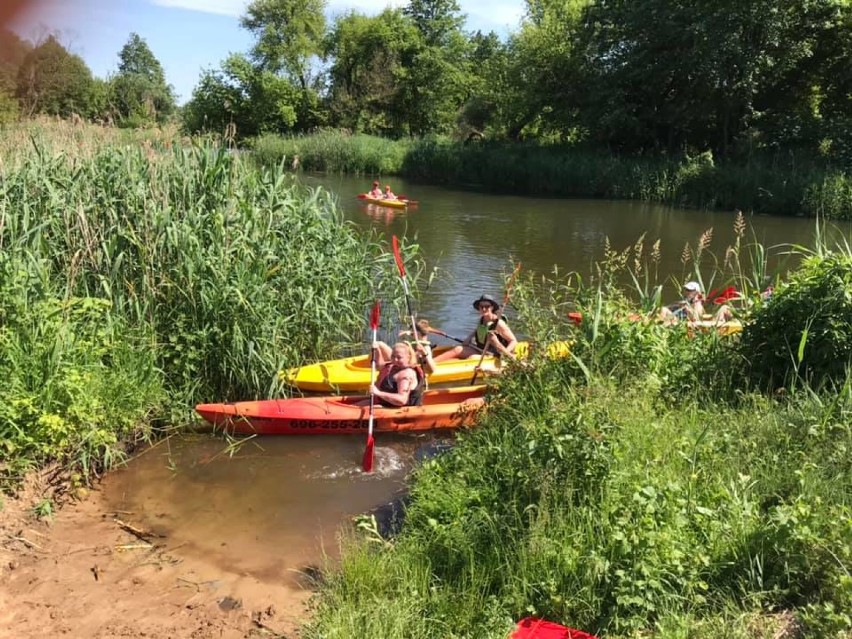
{"x": 367, "y": 463}
{"x": 362, "y": 196}
{"x": 397, "y": 256}
{"x": 374, "y": 317}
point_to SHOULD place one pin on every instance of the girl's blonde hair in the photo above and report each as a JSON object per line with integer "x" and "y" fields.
{"x": 412, "y": 356}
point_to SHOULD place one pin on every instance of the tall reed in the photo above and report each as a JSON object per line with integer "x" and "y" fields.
{"x": 216, "y": 273}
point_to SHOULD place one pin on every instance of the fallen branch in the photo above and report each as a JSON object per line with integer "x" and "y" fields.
{"x": 134, "y": 546}
{"x": 144, "y": 535}
{"x": 27, "y": 542}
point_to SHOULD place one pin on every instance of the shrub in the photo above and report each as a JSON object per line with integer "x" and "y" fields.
{"x": 805, "y": 331}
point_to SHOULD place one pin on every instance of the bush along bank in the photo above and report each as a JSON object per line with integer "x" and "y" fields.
{"x": 604, "y": 492}
{"x": 774, "y": 185}
{"x": 138, "y": 280}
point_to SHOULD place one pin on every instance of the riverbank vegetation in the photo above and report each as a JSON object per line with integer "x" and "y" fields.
{"x": 660, "y": 482}
{"x": 779, "y": 185}
{"x": 692, "y": 106}
{"x": 137, "y": 280}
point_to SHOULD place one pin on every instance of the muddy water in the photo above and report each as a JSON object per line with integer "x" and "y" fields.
{"x": 275, "y": 506}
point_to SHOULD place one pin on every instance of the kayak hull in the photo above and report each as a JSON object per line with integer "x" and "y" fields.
{"x": 394, "y": 204}
{"x": 336, "y": 415}
{"x": 352, "y": 374}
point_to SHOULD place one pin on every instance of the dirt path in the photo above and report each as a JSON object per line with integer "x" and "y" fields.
{"x": 91, "y": 572}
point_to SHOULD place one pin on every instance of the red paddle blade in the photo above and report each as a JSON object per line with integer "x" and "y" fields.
{"x": 397, "y": 256}
{"x": 367, "y": 463}
{"x": 374, "y": 316}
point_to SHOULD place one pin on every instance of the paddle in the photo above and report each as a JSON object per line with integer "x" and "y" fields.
{"x": 424, "y": 327}
{"x": 509, "y": 285}
{"x": 368, "y": 451}
{"x": 401, "y": 267}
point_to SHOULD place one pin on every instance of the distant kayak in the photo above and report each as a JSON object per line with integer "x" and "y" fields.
{"x": 729, "y": 327}
{"x": 352, "y": 374}
{"x": 394, "y": 204}
{"x": 337, "y": 415}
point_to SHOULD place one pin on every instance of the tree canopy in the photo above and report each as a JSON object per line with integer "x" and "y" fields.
{"x": 139, "y": 91}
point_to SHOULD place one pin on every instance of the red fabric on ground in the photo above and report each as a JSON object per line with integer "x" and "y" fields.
{"x": 532, "y": 628}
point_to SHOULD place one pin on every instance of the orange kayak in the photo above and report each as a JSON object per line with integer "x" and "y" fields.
{"x": 335, "y": 415}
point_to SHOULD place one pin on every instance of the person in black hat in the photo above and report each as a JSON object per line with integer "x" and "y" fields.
{"x": 492, "y": 334}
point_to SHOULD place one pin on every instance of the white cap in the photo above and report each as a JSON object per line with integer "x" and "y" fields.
{"x": 692, "y": 286}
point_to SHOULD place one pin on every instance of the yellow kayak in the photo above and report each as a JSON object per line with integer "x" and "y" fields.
{"x": 394, "y": 204}
{"x": 353, "y": 373}
{"x": 731, "y": 327}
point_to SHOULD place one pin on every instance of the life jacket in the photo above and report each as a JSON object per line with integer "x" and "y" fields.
{"x": 481, "y": 334}
{"x": 388, "y": 384}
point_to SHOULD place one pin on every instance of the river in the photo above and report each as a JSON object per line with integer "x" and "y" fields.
{"x": 272, "y": 507}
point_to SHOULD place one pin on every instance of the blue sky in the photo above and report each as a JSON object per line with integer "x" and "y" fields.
{"x": 187, "y": 36}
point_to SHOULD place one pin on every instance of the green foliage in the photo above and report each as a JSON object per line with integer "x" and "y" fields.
{"x": 143, "y": 279}
{"x": 53, "y": 81}
{"x": 805, "y": 332}
{"x": 13, "y": 51}
{"x": 599, "y": 508}
{"x": 139, "y": 91}
{"x": 287, "y": 34}
{"x": 333, "y": 152}
{"x": 78, "y": 383}
{"x": 241, "y": 100}
{"x": 368, "y": 59}
{"x": 8, "y": 108}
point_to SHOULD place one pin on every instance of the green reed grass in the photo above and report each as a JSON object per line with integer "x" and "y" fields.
{"x": 218, "y": 274}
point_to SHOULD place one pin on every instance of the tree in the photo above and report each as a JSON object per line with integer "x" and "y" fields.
{"x": 685, "y": 75}
{"x": 241, "y": 95}
{"x": 367, "y": 56}
{"x": 439, "y": 21}
{"x": 13, "y": 51}
{"x": 541, "y": 79}
{"x": 288, "y": 34}
{"x": 139, "y": 91}
{"x": 53, "y": 81}
{"x": 437, "y": 80}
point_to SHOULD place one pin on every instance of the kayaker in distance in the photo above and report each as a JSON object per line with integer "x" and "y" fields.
{"x": 492, "y": 331}
{"x": 400, "y": 381}
{"x": 376, "y": 193}
{"x": 690, "y": 308}
{"x": 389, "y": 195}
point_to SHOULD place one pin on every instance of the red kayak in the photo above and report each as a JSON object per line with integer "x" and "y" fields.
{"x": 532, "y": 628}
{"x": 441, "y": 408}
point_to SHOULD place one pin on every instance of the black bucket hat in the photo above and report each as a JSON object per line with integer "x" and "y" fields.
{"x": 486, "y": 298}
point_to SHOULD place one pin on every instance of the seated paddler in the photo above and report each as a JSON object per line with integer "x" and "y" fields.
{"x": 492, "y": 333}
{"x": 401, "y": 380}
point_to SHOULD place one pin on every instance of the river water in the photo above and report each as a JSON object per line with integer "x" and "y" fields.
{"x": 274, "y": 506}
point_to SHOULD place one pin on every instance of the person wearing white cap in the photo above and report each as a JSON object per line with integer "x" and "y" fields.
{"x": 690, "y": 308}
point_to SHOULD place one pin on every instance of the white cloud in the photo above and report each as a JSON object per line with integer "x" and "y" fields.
{"x": 221, "y": 7}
